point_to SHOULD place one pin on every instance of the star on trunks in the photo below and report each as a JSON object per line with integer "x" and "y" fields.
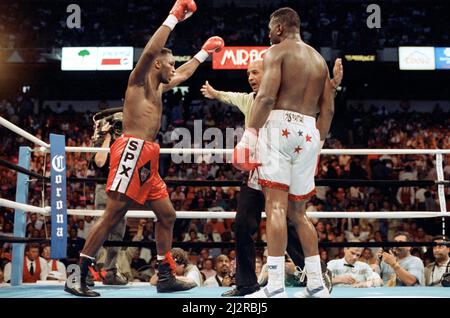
{"x": 298, "y": 149}
{"x": 300, "y": 133}
{"x": 285, "y": 133}
{"x": 308, "y": 138}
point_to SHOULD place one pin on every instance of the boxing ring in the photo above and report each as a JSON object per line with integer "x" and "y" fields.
{"x": 144, "y": 290}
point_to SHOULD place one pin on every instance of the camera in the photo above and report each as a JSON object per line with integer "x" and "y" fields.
{"x": 445, "y": 280}
{"x": 115, "y": 120}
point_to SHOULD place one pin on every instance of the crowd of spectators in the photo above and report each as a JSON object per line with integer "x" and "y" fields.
{"x": 337, "y": 24}
{"x": 370, "y": 128}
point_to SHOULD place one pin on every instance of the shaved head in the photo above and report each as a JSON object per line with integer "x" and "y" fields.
{"x": 256, "y": 63}
{"x": 254, "y": 73}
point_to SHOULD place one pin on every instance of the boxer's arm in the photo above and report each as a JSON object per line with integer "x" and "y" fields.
{"x": 213, "y": 44}
{"x": 240, "y": 100}
{"x": 326, "y": 106}
{"x": 182, "y": 73}
{"x": 268, "y": 90}
{"x": 181, "y": 10}
{"x": 151, "y": 51}
{"x": 324, "y": 121}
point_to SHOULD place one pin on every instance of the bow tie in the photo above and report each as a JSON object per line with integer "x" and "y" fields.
{"x": 349, "y": 265}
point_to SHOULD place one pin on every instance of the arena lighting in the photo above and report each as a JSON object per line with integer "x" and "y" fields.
{"x": 182, "y": 58}
{"x": 359, "y": 58}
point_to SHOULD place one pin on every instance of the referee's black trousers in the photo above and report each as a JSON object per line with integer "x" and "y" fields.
{"x": 250, "y": 206}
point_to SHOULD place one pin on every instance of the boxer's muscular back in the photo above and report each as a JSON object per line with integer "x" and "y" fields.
{"x": 303, "y": 75}
{"x": 142, "y": 110}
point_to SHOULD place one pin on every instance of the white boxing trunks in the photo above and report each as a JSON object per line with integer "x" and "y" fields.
{"x": 288, "y": 149}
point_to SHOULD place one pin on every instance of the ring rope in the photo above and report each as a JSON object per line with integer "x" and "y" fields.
{"x": 230, "y": 215}
{"x": 341, "y": 183}
{"x": 152, "y": 244}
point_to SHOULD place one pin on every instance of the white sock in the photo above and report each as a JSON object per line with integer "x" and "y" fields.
{"x": 275, "y": 266}
{"x": 160, "y": 257}
{"x": 313, "y": 271}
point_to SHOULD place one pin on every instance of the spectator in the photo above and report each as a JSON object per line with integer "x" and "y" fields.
{"x": 207, "y": 269}
{"x": 406, "y": 195}
{"x": 57, "y": 270}
{"x": 441, "y": 265}
{"x": 355, "y": 235}
{"x": 184, "y": 270}
{"x": 223, "y": 277}
{"x": 74, "y": 247}
{"x": 35, "y": 267}
{"x": 194, "y": 259}
{"x": 399, "y": 267}
{"x": 137, "y": 263}
{"x": 177, "y": 195}
{"x": 367, "y": 257}
{"x": 81, "y": 231}
{"x": 421, "y": 236}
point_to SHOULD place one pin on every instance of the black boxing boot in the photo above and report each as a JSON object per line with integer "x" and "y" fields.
{"x": 90, "y": 280}
{"x": 167, "y": 282}
{"x": 77, "y": 285}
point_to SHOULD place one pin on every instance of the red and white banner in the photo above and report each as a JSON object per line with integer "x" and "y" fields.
{"x": 115, "y": 58}
{"x": 97, "y": 58}
{"x": 237, "y": 57}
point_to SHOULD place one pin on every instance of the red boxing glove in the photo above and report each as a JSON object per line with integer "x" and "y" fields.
{"x": 181, "y": 10}
{"x": 213, "y": 44}
{"x": 244, "y": 154}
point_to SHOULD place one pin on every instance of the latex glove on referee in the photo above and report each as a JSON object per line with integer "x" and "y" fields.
{"x": 244, "y": 154}
{"x": 214, "y": 44}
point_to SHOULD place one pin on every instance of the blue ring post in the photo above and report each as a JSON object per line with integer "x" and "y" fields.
{"x": 20, "y": 217}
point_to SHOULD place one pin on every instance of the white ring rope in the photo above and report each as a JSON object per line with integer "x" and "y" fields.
{"x": 23, "y": 133}
{"x": 204, "y": 151}
{"x": 231, "y": 215}
{"x": 440, "y": 177}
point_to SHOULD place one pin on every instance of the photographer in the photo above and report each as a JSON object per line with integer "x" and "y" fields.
{"x": 398, "y": 267}
{"x": 438, "y": 272}
{"x": 223, "y": 278}
{"x": 183, "y": 269}
{"x": 107, "y": 130}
